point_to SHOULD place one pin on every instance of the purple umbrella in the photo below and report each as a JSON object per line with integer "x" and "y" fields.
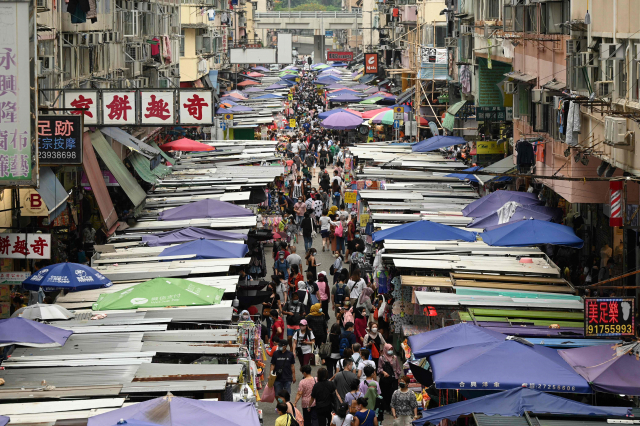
{"x": 524, "y": 212}
{"x": 360, "y": 87}
{"x": 341, "y": 121}
{"x": 189, "y": 234}
{"x": 613, "y": 369}
{"x": 372, "y": 90}
{"x": 259, "y": 68}
{"x": 24, "y": 332}
{"x": 176, "y": 411}
{"x": 492, "y": 202}
{"x": 345, "y": 97}
{"x": 275, "y": 86}
{"x": 253, "y": 90}
{"x": 204, "y": 209}
{"x": 336, "y": 86}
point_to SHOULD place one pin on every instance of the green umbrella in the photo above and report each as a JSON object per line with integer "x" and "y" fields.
{"x": 372, "y": 100}
{"x": 158, "y": 293}
{"x": 287, "y": 72}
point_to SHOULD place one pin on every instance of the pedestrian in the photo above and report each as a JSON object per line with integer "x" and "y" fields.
{"x": 389, "y": 370}
{"x": 364, "y": 301}
{"x": 283, "y": 365}
{"x": 404, "y": 404}
{"x": 317, "y": 323}
{"x": 365, "y": 416}
{"x": 325, "y": 229}
{"x": 355, "y": 286}
{"x": 322, "y": 395}
{"x": 284, "y": 397}
{"x": 337, "y": 266}
{"x": 342, "y": 416}
{"x": 352, "y": 396}
{"x": 272, "y": 302}
{"x": 284, "y": 418}
{"x": 294, "y": 312}
{"x": 344, "y": 379}
{"x": 299, "y": 208}
{"x": 311, "y": 263}
{"x": 307, "y": 231}
{"x": 303, "y": 340}
{"x": 282, "y": 287}
{"x": 351, "y": 235}
{"x": 338, "y": 293}
{"x": 281, "y": 265}
{"x": 277, "y": 329}
{"x": 323, "y": 293}
{"x": 374, "y": 341}
{"x": 334, "y": 339}
{"x": 369, "y": 381}
{"x": 304, "y": 396}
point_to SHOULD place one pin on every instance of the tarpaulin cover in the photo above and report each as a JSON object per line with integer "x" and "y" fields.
{"x": 276, "y": 86}
{"x": 24, "y": 332}
{"x": 464, "y": 176}
{"x": 189, "y": 234}
{"x": 424, "y": 230}
{"x": 268, "y": 96}
{"x": 439, "y": 340}
{"x": 341, "y": 121}
{"x": 492, "y": 202}
{"x": 259, "y": 68}
{"x": 437, "y": 142}
{"x": 326, "y": 114}
{"x": 605, "y": 369}
{"x": 339, "y": 92}
{"x": 515, "y": 403}
{"x": 345, "y": 97}
{"x": 185, "y": 144}
{"x": 158, "y": 293}
{"x": 505, "y": 365}
{"x": 202, "y": 209}
{"x": 52, "y": 192}
{"x": 250, "y": 90}
{"x": 66, "y": 276}
{"x": 520, "y": 213}
{"x": 207, "y": 249}
{"x": 531, "y": 233}
{"x": 176, "y": 411}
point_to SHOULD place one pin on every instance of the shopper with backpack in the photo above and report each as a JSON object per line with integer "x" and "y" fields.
{"x": 285, "y": 398}
{"x": 303, "y": 340}
{"x": 347, "y": 338}
{"x": 322, "y": 395}
{"x": 284, "y": 418}
{"x": 344, "y": 379}
{"x": 389, "y": 371}
{"x": 342, "y": 416}
{"x": 365, "y": 416}
{"x": 334, "y": 339}
{"x": 338, "y": 294}
{"x": 335, "y": 269}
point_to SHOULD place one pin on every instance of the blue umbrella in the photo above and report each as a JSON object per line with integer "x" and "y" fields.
{"x": 520, "y": 213}
{"x": 504, "y": 365}
{"x": 442, "y": 339}
{"x": 329, "y": 78}
{"x": 424, "y": 230}
{"x": 24, "y": 332}
{"x": 268, "y": 96}
{"x": 290, "y": 76}
{"x": 531, "y": 233}
{"x": 492, "y": 202}
{"x": 437, "y": 142}
{"x": 466, "y": 176}
{"x": 207, "y": 249}
{"x": 276, "y": 86}
{"x": 514, "y": 403}
{"x": 66, "y": 276}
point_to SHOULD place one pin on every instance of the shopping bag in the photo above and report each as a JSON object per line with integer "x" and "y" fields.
{"x": 268, "y": 394}
{"x": 272, "y": 380}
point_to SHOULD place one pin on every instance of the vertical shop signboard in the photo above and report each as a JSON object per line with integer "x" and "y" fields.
{"x": 17, "y": 102}
{"x": 371, "y": 63}
{"x": 60, "y": 139}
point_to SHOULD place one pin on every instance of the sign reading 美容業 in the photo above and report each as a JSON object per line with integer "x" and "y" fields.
{"x": 609, "y": 316}
{"x": 60, "y": 139}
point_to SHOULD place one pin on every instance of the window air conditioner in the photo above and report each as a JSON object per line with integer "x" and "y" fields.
{"x": 536, "y": 96}
{"x": 611, "y": 51}
{"x": 574, "y": 46}
{"x": 547, "y": 97}
{"x": 509, "y": 87}
{"x": 587, "y": 59}
{"x": 615, "y": 131}
{"x": 46, "y": 63}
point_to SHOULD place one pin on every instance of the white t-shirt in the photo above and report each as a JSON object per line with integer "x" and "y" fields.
{"x": 361, "y": 367}
{"x": 295, "y": 147}
{"x": 299, "y": 338}
{"x": 342, "y": 422}
{"x": 325, "y": 223}
{"x": 338, "y": 178}
{"x": 356, "y": 288}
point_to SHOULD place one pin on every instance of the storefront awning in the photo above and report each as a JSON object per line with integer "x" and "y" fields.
{"x": 406, "y": 95}
{"x": 449, "y": 118}
{"x": 98, "y": 186}
{"x": 127, "y": 182}
{"x": 213, "y": 78}
{"x": 555, "y": 85}
{"x": 505, "y": 165}
{"x": 130, "y": 141}
{"x": 142, "y": 165}
{"x": 52, "y": 192}
{"x": 525, "y": 78}
{"x": 366, "y": 78}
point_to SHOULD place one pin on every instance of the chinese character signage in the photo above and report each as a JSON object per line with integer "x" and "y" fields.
{"x": 29, "y": 246}
{"x": 60, "y": 139}
{"x": 158, "y": 107}
{"x": 491, "y": 113}
{"x": 16, "y": 161}
{"x": 119, "y": 108}
{"x": 371, "y": 63}
{"x": 340, "y": 56}
{"x": 14, "y": 277}
{"x": 86, "y": 102}
{"x": 489, "y": 147}
{"x": 196, "y": 107}
{"x": 431, "y": 55}
{"x": 609, "y": 316}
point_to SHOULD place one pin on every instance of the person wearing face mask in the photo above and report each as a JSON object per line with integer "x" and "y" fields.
{"x": 389, "y": 370}
{"x": 374, "y": 341}
{"x": 404, "y": 405}
{"x": 317, "y": 324}
{"x": 299, "y": 208}
{"x": 281, "y": 264}
{"x": 303, "y": 341}
{"x": 283, "y": 365}
{"x": 294, "y": 312}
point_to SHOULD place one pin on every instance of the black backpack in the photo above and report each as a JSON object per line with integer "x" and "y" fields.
{"x": 292, "y": 420}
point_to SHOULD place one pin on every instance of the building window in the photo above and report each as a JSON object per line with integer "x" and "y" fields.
{"x": 552, "y": 17}
{"x": 621, "y": 75}
{"x": 519, "y": 19}
{"x": 524, "y": 99}
{"x": 531, "y": 19}
{"x": 508, "y": 18}
{"x": 493, "y": 9}
{"x": 635, "y": 76}
{"x": 182, "y": 44}
{"x": 441, "y": 33}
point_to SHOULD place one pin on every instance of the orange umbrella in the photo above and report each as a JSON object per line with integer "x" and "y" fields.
{"x": 247, "y": 83}
{"x": 186, "y": 144}
{"x": 374, "y": 112}
{"x": 255, "y": 74}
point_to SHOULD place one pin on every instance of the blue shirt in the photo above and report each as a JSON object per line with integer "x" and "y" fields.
{"x": 366, "y": 417}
